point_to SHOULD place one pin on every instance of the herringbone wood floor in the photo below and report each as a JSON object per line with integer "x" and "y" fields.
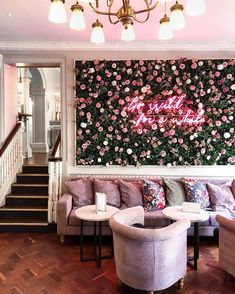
{"x": 33, "y": 263}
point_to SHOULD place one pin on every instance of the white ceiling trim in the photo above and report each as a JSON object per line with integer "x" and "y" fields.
{"x": 135, "y": 46}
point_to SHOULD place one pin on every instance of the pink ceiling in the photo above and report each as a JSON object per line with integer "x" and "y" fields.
{"x": 29, "y": 22}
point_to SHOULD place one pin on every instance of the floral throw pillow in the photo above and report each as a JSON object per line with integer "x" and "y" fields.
{"x": 153, "y": 196}
{"x": 196, "y": 191}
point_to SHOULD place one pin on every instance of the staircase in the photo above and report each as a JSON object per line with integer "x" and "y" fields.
{"x": 26, "y": 206}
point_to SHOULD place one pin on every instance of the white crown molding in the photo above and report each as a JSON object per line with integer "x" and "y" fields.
{"x": 118, "y": 46}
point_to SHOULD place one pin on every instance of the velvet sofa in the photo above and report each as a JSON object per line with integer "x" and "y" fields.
{"x": 154, "y": 193}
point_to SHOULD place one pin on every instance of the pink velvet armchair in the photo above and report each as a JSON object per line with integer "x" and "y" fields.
{"x": 226, "y": 244}
{"x": 148, "y": 259}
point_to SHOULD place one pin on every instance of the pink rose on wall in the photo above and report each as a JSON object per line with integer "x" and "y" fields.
{"x": 163, "y": 153}
{"x": 171, "y": 132}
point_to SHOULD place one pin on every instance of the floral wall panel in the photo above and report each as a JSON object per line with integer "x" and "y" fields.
{"x": 155, "y": 112}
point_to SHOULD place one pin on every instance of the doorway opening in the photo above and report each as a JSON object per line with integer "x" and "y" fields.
{"x": 39, "y": 106}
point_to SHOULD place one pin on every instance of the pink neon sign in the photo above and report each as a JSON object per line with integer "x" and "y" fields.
{"x": 172, "y": 110}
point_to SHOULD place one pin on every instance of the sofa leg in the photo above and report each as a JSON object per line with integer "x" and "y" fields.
{"x": 62, "y": 239}
{"x": 181, "y": 283}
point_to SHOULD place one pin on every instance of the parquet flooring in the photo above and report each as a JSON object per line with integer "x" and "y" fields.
{"x": 32, "y": 263}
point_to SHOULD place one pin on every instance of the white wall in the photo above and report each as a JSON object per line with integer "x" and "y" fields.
{"x": 10, "y": 99}
{"x": 66, "y": 60}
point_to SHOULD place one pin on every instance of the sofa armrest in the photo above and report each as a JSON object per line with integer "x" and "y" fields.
{"x": 227, "y": 223}
{"x": 64, "y": 207}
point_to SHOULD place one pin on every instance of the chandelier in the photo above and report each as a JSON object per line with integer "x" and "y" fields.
{"x": 127, "y": 15}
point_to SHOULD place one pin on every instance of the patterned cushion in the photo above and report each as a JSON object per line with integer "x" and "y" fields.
{"x": 82, "y": 191}
{"x": 153, "y": 196}
{"x": 196, "y": 191}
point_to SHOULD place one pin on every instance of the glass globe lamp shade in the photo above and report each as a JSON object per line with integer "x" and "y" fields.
{"x": 177, "y": 19}
{"x": 128, "y": 33}
{"x": 97, "y": 35}
{"x": 57, "y": 12}
{"x": 165, "y": 30}
{"x": 195, "y": 7}
{"x": 77, "y": 21}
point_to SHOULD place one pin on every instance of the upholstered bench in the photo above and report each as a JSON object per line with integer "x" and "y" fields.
{"x": 152, "y": 192}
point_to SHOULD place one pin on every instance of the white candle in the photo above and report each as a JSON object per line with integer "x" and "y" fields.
{"x": 101, "y": 200}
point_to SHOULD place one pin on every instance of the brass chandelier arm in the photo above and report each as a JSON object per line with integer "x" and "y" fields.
{"x": 102, "y": 12}
{"x": 145, "y": 10}
{"x": 125, "y": 2}
{"x": 148, "y": 7}
{"x": 113, "y": 22}
{"x": 110, "y": 4}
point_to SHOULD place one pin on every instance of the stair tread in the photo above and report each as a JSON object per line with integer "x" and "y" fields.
{"x": 12, "y": 220}
{"x": 33, "y": 175}
{"x": 22, "y": 208}
{"x": 32, "y": 164}
{"x": 30, "y": 185}
{"x": 19, "y": 222}
{"x": 27, "y": 196}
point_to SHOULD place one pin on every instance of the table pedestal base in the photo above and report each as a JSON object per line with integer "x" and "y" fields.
{"x": 97, "y": 255}
{"x": 192, "y": 261}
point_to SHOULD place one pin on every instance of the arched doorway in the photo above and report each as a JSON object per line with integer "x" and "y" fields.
{"x": 39, "y": 99}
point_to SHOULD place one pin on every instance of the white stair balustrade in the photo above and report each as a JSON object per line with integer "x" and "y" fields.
{"x": 55, "y": 180}
{"x": 11, "y": 160}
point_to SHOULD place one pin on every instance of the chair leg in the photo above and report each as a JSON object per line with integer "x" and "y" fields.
{"x": 62, "y": 239}
{"x": 181, "y": 283}
{"x": 150, "y": 292}
{"x": 119, "y": 283}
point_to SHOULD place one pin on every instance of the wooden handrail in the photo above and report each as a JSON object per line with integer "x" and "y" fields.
{"x": 9, "y": 138}
{"x": 52, "y": 156}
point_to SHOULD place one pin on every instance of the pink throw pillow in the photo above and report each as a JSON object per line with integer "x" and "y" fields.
{"x": 110, "y": 188}
{"x": 233, "y": 187}
{"x": 82, "y": 191}
{"x": 131, "y": 193}
{"x": 221, "y": 196}
{"x": 153, "y": 196}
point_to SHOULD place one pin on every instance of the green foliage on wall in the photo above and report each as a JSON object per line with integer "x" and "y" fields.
{"x": 155, "y": 112}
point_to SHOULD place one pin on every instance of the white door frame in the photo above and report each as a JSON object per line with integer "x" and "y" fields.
{"x": 38, "y": 61}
